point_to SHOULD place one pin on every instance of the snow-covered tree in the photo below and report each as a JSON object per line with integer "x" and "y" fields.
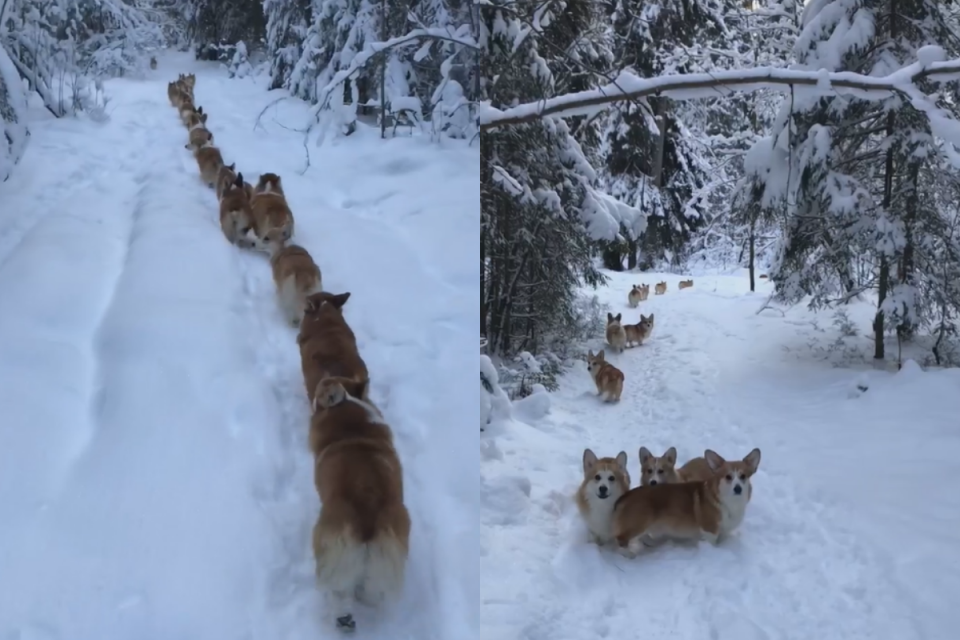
{"x": 216, "y": 26}
{"x": 13, "y": 105}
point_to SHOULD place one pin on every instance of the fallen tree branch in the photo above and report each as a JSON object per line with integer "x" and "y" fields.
{"x": 628, "y": 86}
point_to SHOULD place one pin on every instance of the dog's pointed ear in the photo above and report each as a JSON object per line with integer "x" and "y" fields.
{"x": 239, "y": 181}
{"x": 600, "y": 354}
{"x": 609, "y": 317}
{"x": 622, "y": 460}
{"x": 339, "y": 300}
{"x": 199, "y": 111}
{"x": 589, "y": 459}
{"x": 714, "y": 460}
{"x": 618, "y": 317}
{"x": 589, "y": 354}
{"x": 670, "y": 455}
{"x": 312, "y": 304}
{"x": 645, "y": 455}
{"x": 188, "y": 146}
{"x": 650, "y": 318}
{"x": 233, "y": 166}
{"x": 752, "y": 460}
{"x": 642, "y": 317}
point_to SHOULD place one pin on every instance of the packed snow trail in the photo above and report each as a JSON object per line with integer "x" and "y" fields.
{"x": 713, "y": 375}
{"x": 155, "y": 476}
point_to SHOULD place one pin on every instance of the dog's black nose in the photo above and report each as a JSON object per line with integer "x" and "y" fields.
{"x": 737, "y": 489}
{"x": 602, "y": 490}
{"x": 653, "y": 482}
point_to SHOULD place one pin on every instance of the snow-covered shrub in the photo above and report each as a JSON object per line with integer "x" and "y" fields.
{"x": 13, "y": 107}
{"x": 494, "y": 402}
{"x": 239, "y": 66}
{"x": 452, "y": 114}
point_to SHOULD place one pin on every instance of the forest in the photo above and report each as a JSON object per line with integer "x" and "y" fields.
{"x": 718, "y": 133}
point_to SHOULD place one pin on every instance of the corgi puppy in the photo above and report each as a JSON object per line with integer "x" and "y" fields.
{"x": 608, "y": 378}
{"x": 209, "y": 162}
{"x": 604, "y": 481}
{"x": 362, "y": 537}
{"x": 635, "y": 296}
{"x": 660, "y": 289}
{"x": 616, "y": 336}
{"x": 272, "y": 218}
{"x": 297, "y": 277}
{"x": 226, "y": 177}
{"x": 637, "y": 333}
{"x": 654, "y": 470}
{"x": 235, "y": 213}
{"x": 685, "y": 284}
{"x": 153, "y": 63}
{"x": 692, "y": 511}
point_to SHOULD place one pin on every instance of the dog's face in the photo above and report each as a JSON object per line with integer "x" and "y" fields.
{"x": 190, "y": 80}
{"x": 605, "y": 478}
{"x": 734, "y": 476}
{"x": 658, "y": 470}
{"x": 594, "y": 362}
{"x": 646, "y": 323}
{"x": 613, "y": 319}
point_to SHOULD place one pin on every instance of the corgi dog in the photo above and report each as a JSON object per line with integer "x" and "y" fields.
{"x": 644, "y": 291}
{"x": 362, "y": 536}
{"x": 197, "y": 119}
{"x": 635, "y": 296}
{"x": 272, "y": 218}
{"x": 691, "y": 511}
{"x": 198, "y": 138}
{"x": 660, "y": 289}
{"x": 328, "y": 346}
{"x": 187, "y": 109}
{"x": 209, "y": 162}
{"x": 695, "y": 470}
{"x": 685, "y": 284}
{"x": 604, "y": 481}
{"x": 189, "y": 81}
{"x": 153, "y": 63}
{"x": 654, "y": 470}
{"x": 235, "y": 213}
{"x": 225, "y": 178}
{"x": 616, "y": 336}
{"x": 608, "y": 378}
{"x": 174, "y": 94}
{"x": 637, "y": 333}
{"x": 297, "y": 277}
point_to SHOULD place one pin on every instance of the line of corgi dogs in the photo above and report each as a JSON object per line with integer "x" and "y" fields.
{"x": 361, "y": 538}
{"x": 705, "y": 499}
{"x": 640, "y": 292}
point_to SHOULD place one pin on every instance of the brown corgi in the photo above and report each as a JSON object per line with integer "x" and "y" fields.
{"x": 608, "y": 378}
{"x": 635, "y": 296}
{"x": 616, "y": 336}
{"x": 209, "y": 162}
{"x": 637, "y": 333}
{"x": 362, "y": 536}
{"x": 198, "y": 138}
{"x": 272, "y": 218}
{"x": 173, "y": 94}
{"x": 660, "y": 289}
{"x": 235, "y": 214}
{"x": 153, "y": 63}
{"x": 695, "y": 470}
{"x": 654, "y": 470}
{"x": 328, "y": 346}
{"x": 604, "y": 481}
{"x": 197, "y": 119}
{"x": 685, "y": 284}
{"x": 187, "y": 109}
{"x": 189, "y": 81}
{"x": 691, "y": 511}
{"x": 226, "y": 177}
{"x": 297, "y": 276}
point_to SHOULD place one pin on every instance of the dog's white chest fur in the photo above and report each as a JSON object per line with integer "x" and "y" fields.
{"x": 732, "y": 511}
{"x": 599, "y": 518}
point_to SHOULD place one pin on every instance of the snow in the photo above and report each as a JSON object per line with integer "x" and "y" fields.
{"x": 155, "y": 481}
{"x": 13, "y": 106}
{"x": 851, "y": 530}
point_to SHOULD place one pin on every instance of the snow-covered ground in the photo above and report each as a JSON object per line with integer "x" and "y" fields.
{"x": 852, "y": 529}
{"x": 155, "y": 481}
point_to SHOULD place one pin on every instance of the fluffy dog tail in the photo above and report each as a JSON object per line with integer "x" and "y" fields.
{"x": 373, "y": 571}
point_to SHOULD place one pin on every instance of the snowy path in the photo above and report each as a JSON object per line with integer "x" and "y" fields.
{"x": 802, "y": 567}
{"x": 154, "y": 476}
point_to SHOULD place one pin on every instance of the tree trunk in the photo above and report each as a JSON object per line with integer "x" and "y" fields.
{"x": 884, "y": 279}
{"x": 753, "y": 250}
{"x": 383, "y": 70}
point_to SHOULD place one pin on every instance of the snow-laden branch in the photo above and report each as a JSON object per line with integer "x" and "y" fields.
{"x": 460, "y": 36}
{"x": 628, "y": 86}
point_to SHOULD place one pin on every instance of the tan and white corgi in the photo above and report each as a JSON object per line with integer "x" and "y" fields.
{"x": 198, "y": 138}
{"x": 173, "y": 93}
{"x": 660, "y": 289}
{"x": 616, "y": 336}
{"x": 297, "y": 277}
{"x": 197, "y": 119}
{"x": 226, "y": 177}
{"x": 209, "y": 162}
{"x": 328, "y": 346}
{"x": 685, "y": 284}
{"x": 235, "y": 213}
{"x": 187, "y": 109}
{"x": 658, "y": 470}
{"x": 272, "y": 218}
{"x": 635, "y": 296}
{"x": 362, "y": 537}
{"x": 637, "y": 333}
{"x": 608, "y": 378}
{"x": 690, "y": 511}
{"x": 604, "y": 481}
